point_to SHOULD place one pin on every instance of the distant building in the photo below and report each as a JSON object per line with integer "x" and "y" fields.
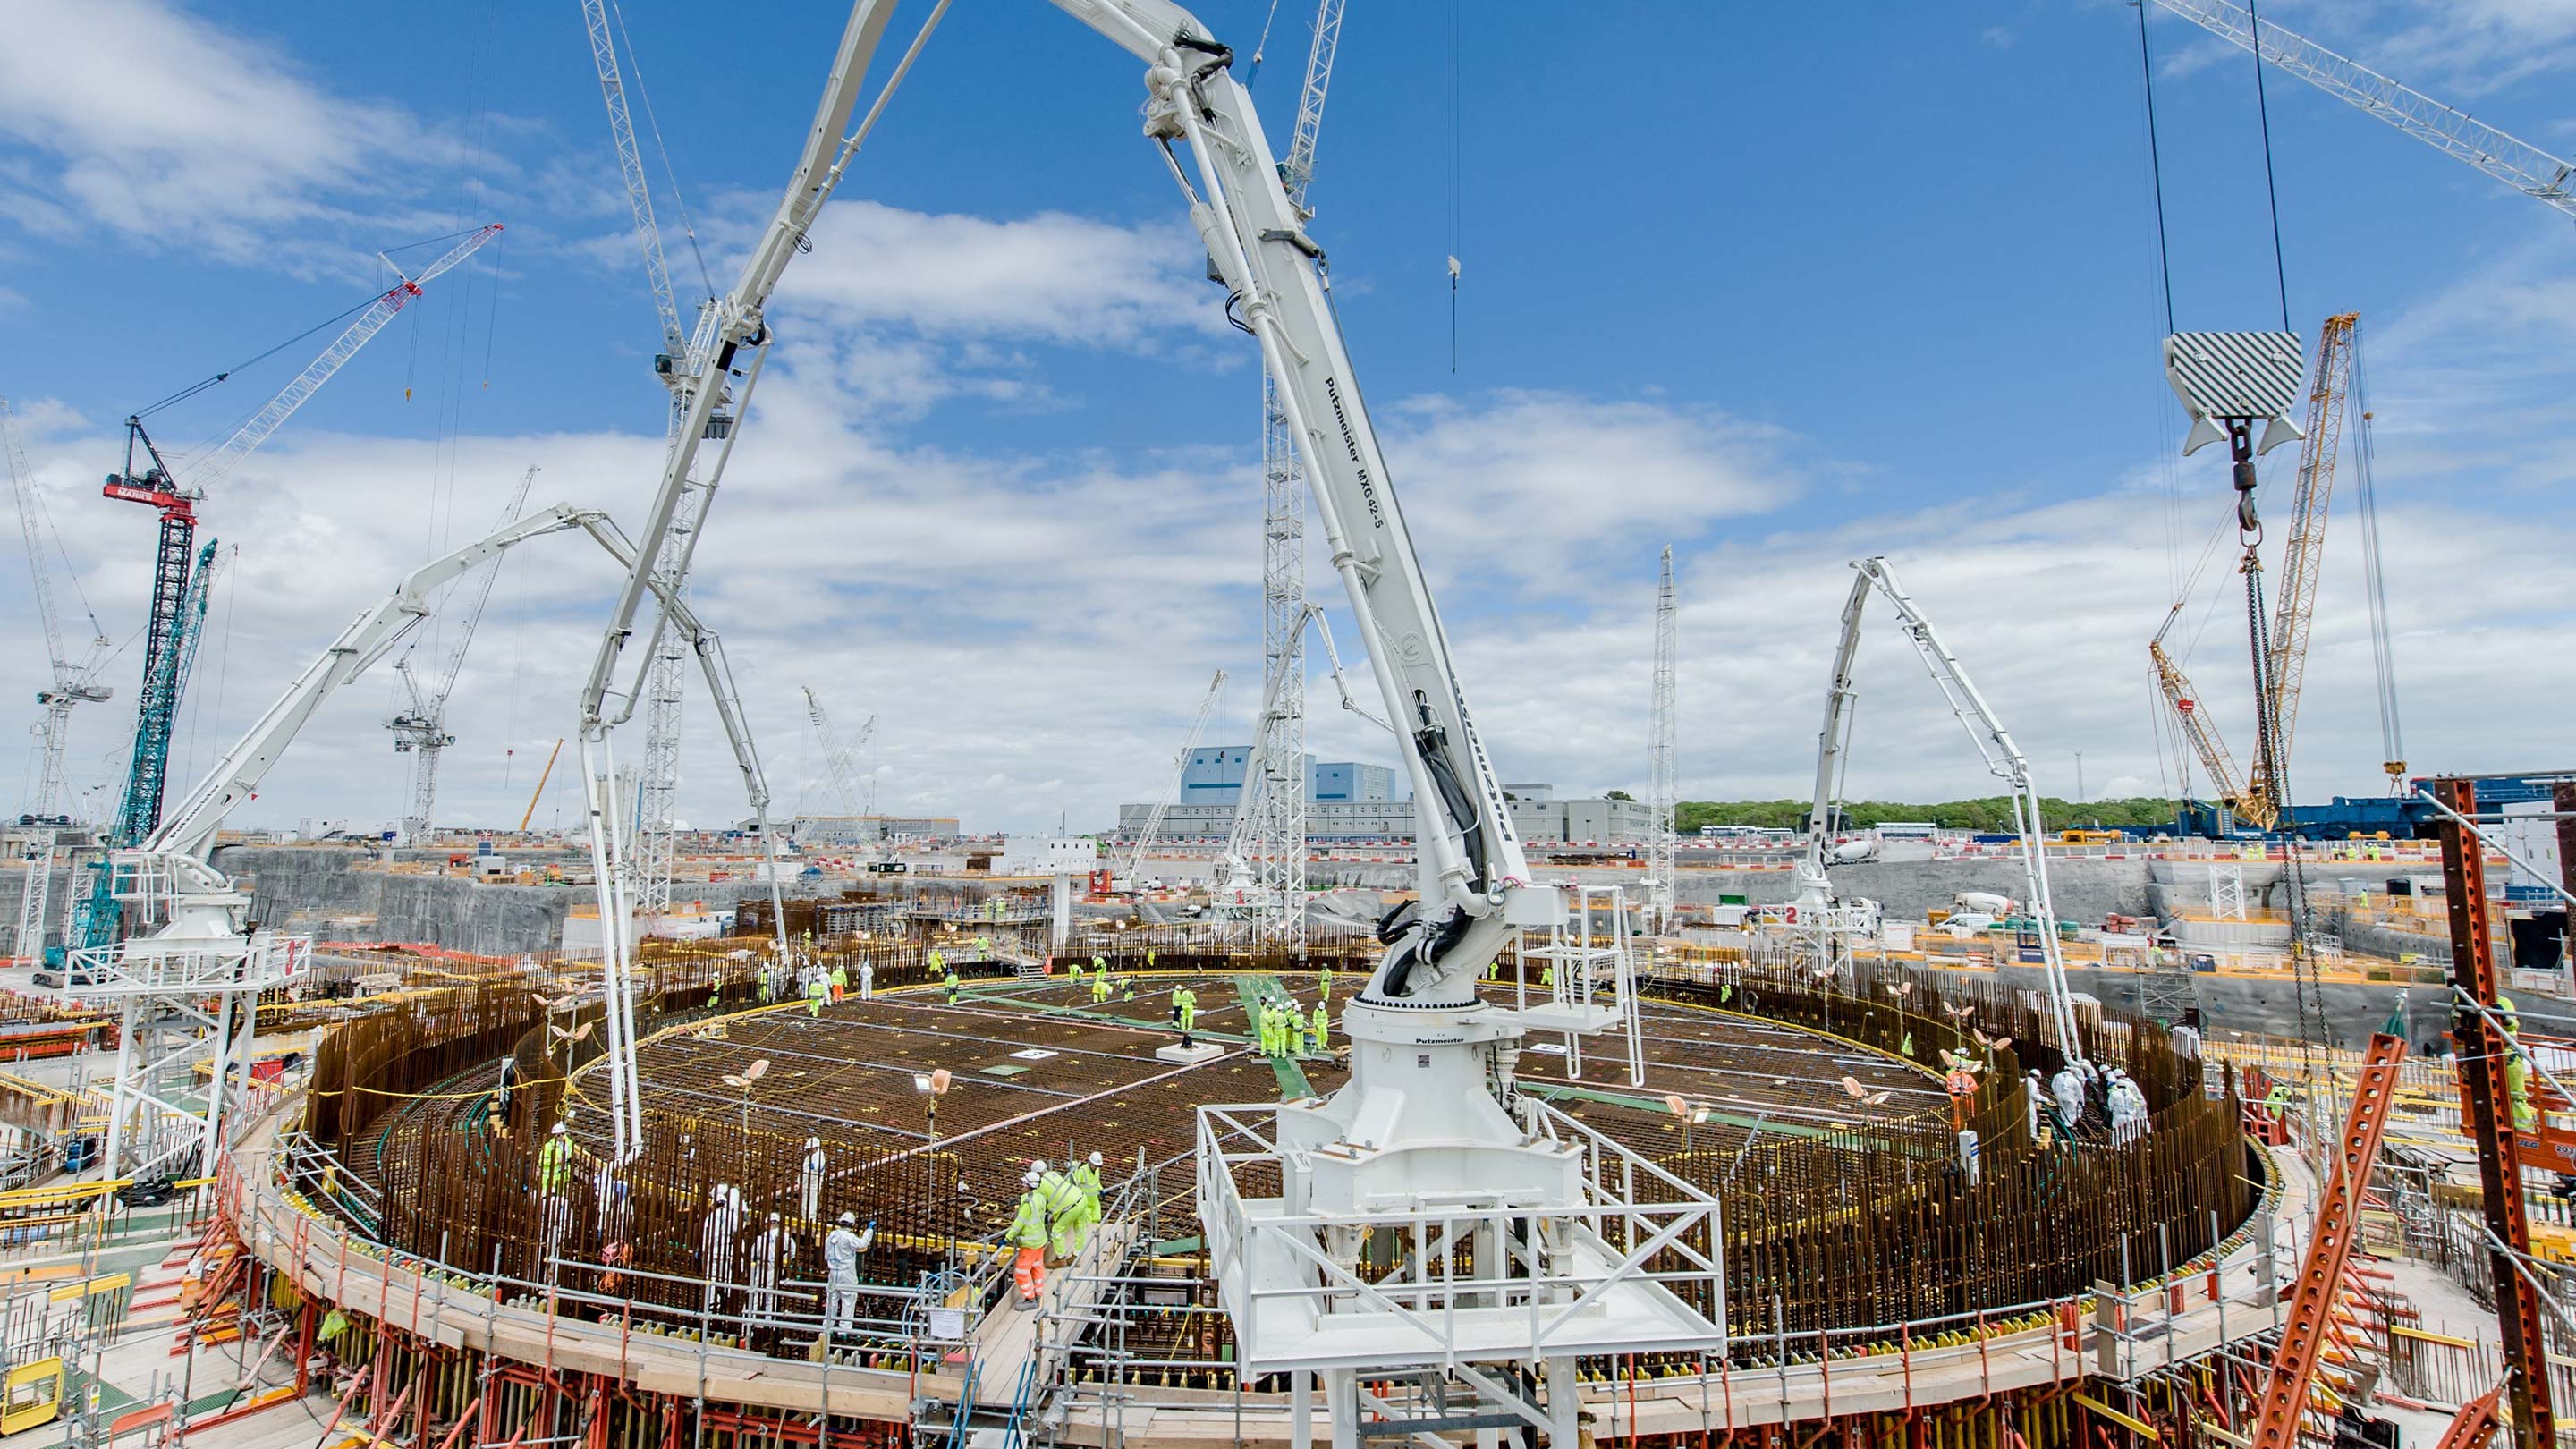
{"x": 1214, "y": 776}
{"x": 829, "y": 832}
{"x": 1537, "y": 817}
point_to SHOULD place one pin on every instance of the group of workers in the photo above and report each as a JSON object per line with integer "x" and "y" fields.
{"x": 1052, "y": 1224}
{"x": 1282, "y": 1030}
{"x": 1103, "y": 986}
{"x": 2078, "y": 1091}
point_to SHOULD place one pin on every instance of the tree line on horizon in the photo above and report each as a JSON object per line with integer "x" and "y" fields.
{"x": 1989, "y": 813}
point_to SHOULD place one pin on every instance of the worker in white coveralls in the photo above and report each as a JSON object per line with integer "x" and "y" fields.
{"x": 2068, "y": 1088}
{"x": 841, "y": 1249}
{"x": 716, "y": 1237}
{"x": 772, "y": 1248}
{"x": 809, "y": 1181}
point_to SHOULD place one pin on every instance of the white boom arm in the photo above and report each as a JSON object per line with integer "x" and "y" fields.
{"x": 2003, "y": 758}
{"x": 1256, "y": 241}
{"x": 1832, "y": 745}
{"x": 189, "y": 829}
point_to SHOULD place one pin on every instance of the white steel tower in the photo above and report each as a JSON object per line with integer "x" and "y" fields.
{"x": 1274, "y": 793}
{"x": 1663, "y": 784}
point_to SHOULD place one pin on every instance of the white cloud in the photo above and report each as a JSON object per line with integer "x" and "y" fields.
{"x": 138, "y": 118}
{"x": 1520, "y": 484}
{"x": 1053, "y": 277}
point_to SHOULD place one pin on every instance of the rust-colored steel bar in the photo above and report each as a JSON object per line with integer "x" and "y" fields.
{"x": 2312, "y": 1305}
{"x": 2482, "y": 1066}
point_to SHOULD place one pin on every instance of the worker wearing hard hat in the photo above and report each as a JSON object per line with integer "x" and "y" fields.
{"x": 1086, "y": 1179}
{"x": 1319, "y": 1029}
{"x": 817, "y": 991}
{"x": 2517, "y": 1086}
{"x": 1027, "y": 1238}
{"x": 841, "y": 1249}
{"x": 554, "y": 1161}
{"x": 1064, "y": 1221}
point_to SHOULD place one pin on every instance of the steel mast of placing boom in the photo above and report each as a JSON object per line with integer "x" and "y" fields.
{"x": 682, "y": 366}
{"x": 1135, "y": 870}
{"x": 1273, "y": 810}
{"x": 723, "y": 375}
{"x": 1430, "y": 1116}
{"x": 2524, "y": 167}
{"x": 2003, "y": 758}
{"x": 421, "y": 731}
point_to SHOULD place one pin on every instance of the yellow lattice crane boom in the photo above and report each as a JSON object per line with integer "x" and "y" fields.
{"x": 2303, "y": 553}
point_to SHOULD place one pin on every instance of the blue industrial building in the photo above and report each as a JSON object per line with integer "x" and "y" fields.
{"x": 1214, "y": 776}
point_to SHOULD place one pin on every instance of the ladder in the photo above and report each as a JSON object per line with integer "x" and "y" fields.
{"x": 2310, "y": 1320}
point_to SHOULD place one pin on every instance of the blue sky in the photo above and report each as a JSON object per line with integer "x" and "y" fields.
{"x": 1778, "y": 287}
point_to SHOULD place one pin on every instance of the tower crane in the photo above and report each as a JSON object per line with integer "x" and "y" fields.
{"x": 2526, "y": 168}
{"x": 2257, "y": 796}
{"x": 1135, "y": 870}
{"x": 74, "y": 681}
{"x": 1272, "y": 835}
{"x": 421, "y": 730}
{"x": 840, "y": 761}
{"x": 149, "y": 479}
{"x": 71, "y": 682}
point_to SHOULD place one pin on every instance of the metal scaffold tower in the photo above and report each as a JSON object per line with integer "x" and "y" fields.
{"x": 1274, "y": 799}
{"x": 647, "y": 862}
{"x": 1663, "y": 781}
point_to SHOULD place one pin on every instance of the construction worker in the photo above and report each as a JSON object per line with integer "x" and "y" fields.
{"x": 773, "y": 1247}
{"x": 2068, "y": 1088}
{"x": 950, "y": 981}
{"x": 1149, "y": 958}
{"x": 1961, "y": 1083}
{"x": 1086, "y": 1177}
{"x": 1547, "y": 976}
{"x": 938, "y": 963}
{"x": 1100, "y": 966}
{"x": 817, "y": 991}
{"x": 2517, "y": 1085}
{"x": 716, "y": 1235}
{"x": 1100, "y": 988}
{"x": 840, "y": 983}
{"x": 1073, "y": 972}
{"x": 1185, "y": 1011}
{"x": 1324, "y": 981}
{"x": 1063, "y": 1202}
{"x": 841, "y": 1249}
{"x": 1027, "y": 1238}
{"x": 508, "y": 1087}
{"x": 1319, "y": 1030}
{"x": 868, "y": 979}
{"x": 2505, "y": 1012}
{"x": 554, "y": 1161}
{"x": 809, "y": 1181}
{"x": 1126, "y": 988}
{"x": 768, "y": 984}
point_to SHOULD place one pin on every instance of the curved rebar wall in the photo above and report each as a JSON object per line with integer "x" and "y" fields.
{"x": 1830, "y": 1228}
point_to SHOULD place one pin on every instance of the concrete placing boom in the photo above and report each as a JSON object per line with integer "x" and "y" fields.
{"x": 1429, "y": 1129}
{"x": 2524, "y": 167}
{"x": 2003, "y": 758}
{"x": 707, "y": 404}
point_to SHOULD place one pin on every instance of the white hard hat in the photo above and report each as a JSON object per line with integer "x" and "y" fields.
{"x": 559, "y": 1129}
{"x": 1029, "y": 1178}
{"x": 1037, "y": 1167}
{"x": 813, "y": 1141}
{"x": 849, "y": 1217}
{"x": 1095, "y": 1159}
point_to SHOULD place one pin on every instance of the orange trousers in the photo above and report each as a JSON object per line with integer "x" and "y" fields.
{"x": 1028, "y": 1272}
